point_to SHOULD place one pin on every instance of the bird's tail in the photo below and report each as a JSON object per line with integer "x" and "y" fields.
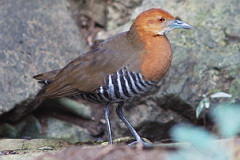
{"x": 45, "y": 79}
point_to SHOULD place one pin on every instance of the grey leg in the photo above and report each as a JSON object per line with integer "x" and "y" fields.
{"x": 106, "y": 114}
{"x": 127, "y": 123}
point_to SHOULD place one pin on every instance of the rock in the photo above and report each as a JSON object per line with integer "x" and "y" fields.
{"x": 21, "y": 149}
{"x": 50, "y": 128}
{"x": 74, "y": 107}
{"x": 28, "y": 127}
{"x": 35, "y": 37}
{"x": 95, "y": 9}
{"x": 119, "y": 12}
{"x": 58, "y": 129}
{"x": 150, "y": 116}
{"x": 235, "y": 87}
{"x": 7, "y": 130}
{"x": 31, "y": 129}
{"x": 18, "y": 144}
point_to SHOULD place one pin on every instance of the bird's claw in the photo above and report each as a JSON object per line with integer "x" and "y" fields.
{"x": 141, "y": 144}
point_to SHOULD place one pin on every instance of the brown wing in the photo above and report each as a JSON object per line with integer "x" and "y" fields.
{"x": 87, "y": 73}
{"x": 47, "y": 75}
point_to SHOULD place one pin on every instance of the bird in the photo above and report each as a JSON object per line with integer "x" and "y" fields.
{"x": 122, "y": 67}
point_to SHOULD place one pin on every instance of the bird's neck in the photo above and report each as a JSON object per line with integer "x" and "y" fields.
{"x": 157, "y": 56}
{"x": 135, "y": 39}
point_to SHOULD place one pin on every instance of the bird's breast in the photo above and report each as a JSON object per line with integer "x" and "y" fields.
{"x": 156, "y": 59}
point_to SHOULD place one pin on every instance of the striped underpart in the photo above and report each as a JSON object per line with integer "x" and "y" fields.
{"x": 119, "y": 86}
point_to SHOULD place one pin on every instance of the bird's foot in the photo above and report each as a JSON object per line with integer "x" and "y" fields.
{"x": 141, "y": 144}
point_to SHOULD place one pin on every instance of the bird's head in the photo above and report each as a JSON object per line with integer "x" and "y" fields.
{"x": 156, "y": 22}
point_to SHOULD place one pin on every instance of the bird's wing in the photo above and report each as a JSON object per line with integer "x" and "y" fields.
{"x": 47, "y": 75}
{"x": 86, "y": 73}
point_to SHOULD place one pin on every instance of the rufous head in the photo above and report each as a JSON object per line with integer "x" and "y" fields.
{"x": 157, "y": 21}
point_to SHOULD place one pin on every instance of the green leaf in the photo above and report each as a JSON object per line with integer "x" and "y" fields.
{"x": 204, "y": 103}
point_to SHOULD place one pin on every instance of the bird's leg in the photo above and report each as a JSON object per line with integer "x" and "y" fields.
{"x": 106, "y": 115}
{"x": 129, "y": 126}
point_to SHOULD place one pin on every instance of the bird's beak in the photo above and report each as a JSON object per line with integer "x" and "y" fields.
{"x": 179, "y": 24}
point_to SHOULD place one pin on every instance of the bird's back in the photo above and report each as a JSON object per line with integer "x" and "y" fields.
{"x": 88, "y": 73}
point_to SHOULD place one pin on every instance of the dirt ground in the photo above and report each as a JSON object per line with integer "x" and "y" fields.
{"x": 43, "y": 150}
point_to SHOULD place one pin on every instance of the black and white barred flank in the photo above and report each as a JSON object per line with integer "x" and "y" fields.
{"x": 119, "y": 86}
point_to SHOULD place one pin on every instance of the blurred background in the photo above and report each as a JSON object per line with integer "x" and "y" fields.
{"x": 42, "y": 35}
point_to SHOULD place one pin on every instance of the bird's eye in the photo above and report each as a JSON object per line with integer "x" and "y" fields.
{"x": 161, "y": 19}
